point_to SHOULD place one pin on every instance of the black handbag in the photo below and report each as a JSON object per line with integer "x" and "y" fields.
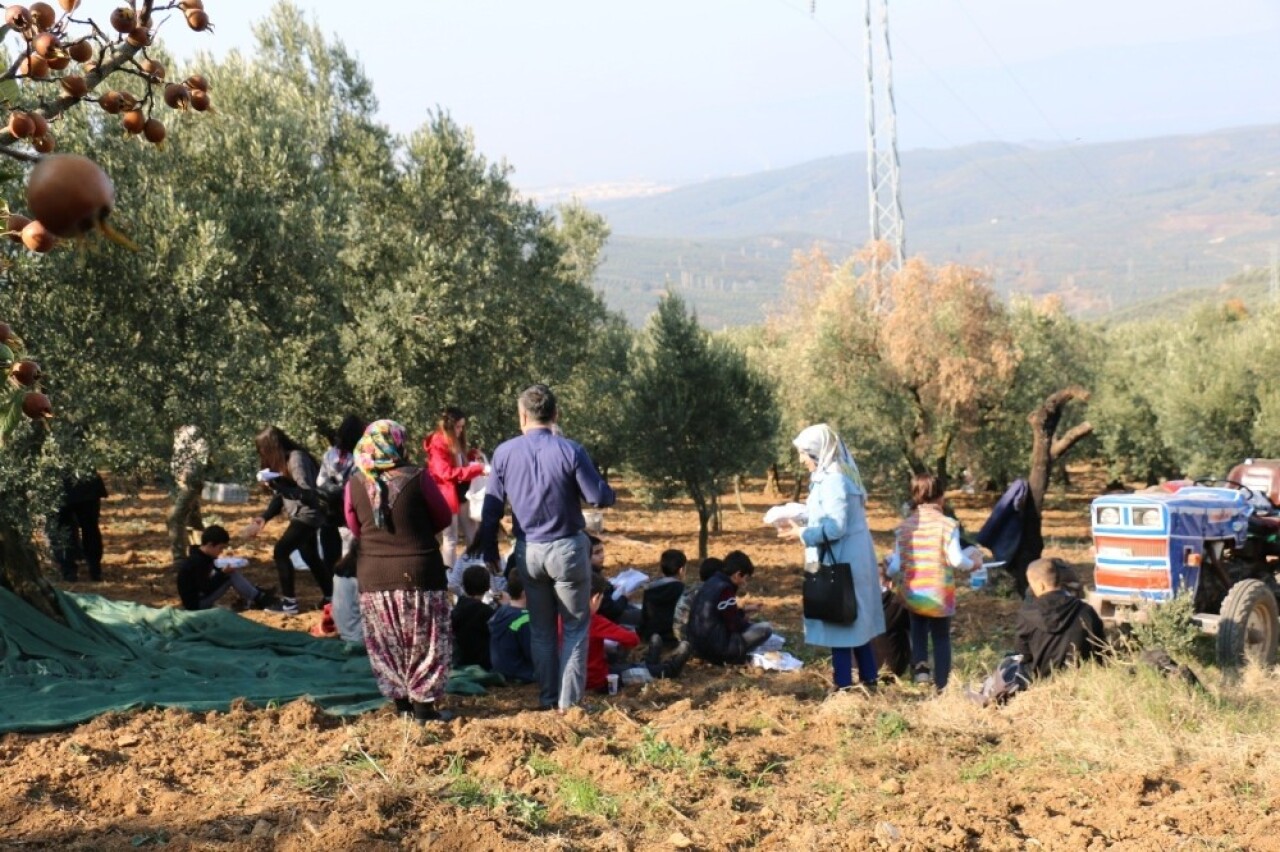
{"x": 828, "y": 588}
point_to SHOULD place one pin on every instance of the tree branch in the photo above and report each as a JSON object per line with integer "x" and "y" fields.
{"x": 1070, "y": 439}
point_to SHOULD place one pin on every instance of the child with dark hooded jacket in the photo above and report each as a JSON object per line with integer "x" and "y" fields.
{"x": 510, "y": 642}
{"x": 658, "y": 607}
{"x": 719, "y": 629}
{"x": 470, "y": 620}
{"x": 1055, "y": 628}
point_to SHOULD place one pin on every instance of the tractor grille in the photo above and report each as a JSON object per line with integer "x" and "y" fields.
{"x": 1139, "y": 548}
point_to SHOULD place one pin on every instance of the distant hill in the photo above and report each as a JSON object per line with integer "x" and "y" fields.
{"x": 1104, "y": 225}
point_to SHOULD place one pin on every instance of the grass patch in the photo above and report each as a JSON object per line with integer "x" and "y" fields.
{"x": 581, "y": 796}
{"x": 992, "y": 763}
{"x": 660, "y": 754}
{"x": 890, "y": 725}
{"x": 470, "y": 792}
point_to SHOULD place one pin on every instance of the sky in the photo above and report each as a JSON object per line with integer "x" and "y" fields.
{"x": 576, "y": 94}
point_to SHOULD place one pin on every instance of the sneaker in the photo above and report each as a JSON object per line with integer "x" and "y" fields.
{"x": 288, "y": 606}
{"x": 425, "y": 711}
{"x": 655, "y": 650}
{"x": 265, "y": 598}
{"x": 922, "y": 674}
{"x": 675, "y": 663}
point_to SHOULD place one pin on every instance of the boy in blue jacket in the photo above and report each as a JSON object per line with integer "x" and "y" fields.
{"x": 510, "y": 647}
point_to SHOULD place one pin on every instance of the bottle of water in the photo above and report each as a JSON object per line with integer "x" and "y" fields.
{"x": 978, "y": 577}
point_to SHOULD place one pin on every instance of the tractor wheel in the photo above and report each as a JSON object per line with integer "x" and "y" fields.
{"x": 1248, "y": 626}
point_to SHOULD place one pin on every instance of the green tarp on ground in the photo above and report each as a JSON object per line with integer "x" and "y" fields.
{"x": 118, "y": 656}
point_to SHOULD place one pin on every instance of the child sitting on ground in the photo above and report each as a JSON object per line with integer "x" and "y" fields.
{"x": 619, "y": 610}
{"x": 510, "y": 648}
{"x": 719, "y": 630}
{"x": 680, "y": 619}
{"x": 658, "y": 608}
{"x": 600, "y": 629}
{"x": 201, "y": 582}
{"x": 470, "y": 620}
{"x": 1055, "y": 628}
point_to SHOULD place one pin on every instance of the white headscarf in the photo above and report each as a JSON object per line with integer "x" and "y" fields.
{"x": 823, "y": 445}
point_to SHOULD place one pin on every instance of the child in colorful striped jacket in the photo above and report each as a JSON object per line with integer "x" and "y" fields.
{"x": 926, "y": 550}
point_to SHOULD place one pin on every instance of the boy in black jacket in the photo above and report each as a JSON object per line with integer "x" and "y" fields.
{"x": 201, "y": 582}
{"x": 470, "y": 620}
{"x": 658, "y": 607}
{"x": 1055, "y": 628}
{"x": 718, "y": 630}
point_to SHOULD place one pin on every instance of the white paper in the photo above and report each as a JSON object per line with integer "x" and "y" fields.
{"x": 231, "y": 562}
{"x": 628, "y": 581}
{"x": 780, "y": 516}
{"x": 776, "y": 661}
{"x": 773, "y": 643}
{"x": 267, "y": 474}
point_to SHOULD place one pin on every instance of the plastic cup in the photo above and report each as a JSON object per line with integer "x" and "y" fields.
{"x": 613, "y": 684}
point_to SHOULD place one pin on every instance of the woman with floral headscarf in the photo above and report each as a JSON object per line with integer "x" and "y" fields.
{"x": 395, "y": 510}
{"x": 837, "y": 514}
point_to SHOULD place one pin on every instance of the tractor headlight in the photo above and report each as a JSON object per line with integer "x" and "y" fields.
{"x": 1108, "y": 516}
{"x": 1146, "y": 517}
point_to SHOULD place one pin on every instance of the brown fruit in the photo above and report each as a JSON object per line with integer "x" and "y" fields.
{"x": 80, "y": 51}
{"x": 43, "y": 15}
{"x": 68, "y": 6}
{"x": 36, "y": 237}
{"x": 75, "y": 85}
{"x": 13, "y": 230}
{"x": 18, "y": 17}
{"x": 133, "y": 121}
{"x": 42, "y": 124}
{"x": 45, "y": 44}
{"x": 199, "y": 100}
{"x": 139, "y": 36}
{"x": 177, "y": 96}
{"x": 21, "y": 125}
{"x": 188, "y": 5}
{"x": 36, "y": 406}
{"x": 70, "y": 194}
{"x": 153, "y": 130}
{"x": 6, "y": 332}
{"x": 44, "y": 144}
{"x": 59, "y": 61}
{"x": 198, "y": 81}
{"x": 153, "y": 69}
{"x": 111, "y": 102}
{"x": 34, "y": 66}
{"x": 25, "y": 372}
{"x": 198, "y": 20}
{"x": 124, "y": 19}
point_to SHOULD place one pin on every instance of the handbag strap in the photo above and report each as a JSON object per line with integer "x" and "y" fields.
{"x": 824, "y": 551}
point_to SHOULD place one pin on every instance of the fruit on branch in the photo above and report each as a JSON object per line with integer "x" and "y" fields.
{"x": 139, "y": 36}
{"x": 69, "y": 194}
{"x": 198, "y": 81}
{"x": 80, "y": 51}
{"x": 44, "y": 144}
{"x": 177, "y": 96}
{"x": 19, "y": 18}
{"x": 199, "y": 100}
{"x": 112, "y": 102}
{"x": 36, "y": 237}
{"x": 42, "y": 124}
{"x": 188, "y": 5}
{"x": 74, "y": 85}
{"x": 124, "y": 19}
{"x": 25, "y": 372}
{"x": 13, "y": 229}
{"x": 6, "y": 334}
{"x": 21, "y": 124}
{"x": 68, "y": 6}
{"x": 133, "y": 121}
{"x": 46, "y": 44}
{"x": 34, "y": 66}
{"x": 43, "y": 15}
{"x": 154, "y": 70}
{"x": 198, "y": 20}
{"x": 153, "y": 130}
{"x": 36, "y": 406}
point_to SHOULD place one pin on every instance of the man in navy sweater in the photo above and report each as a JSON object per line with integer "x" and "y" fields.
{"x": 546, "y": 478}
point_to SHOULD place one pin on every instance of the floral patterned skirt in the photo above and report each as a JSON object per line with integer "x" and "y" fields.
{"x": 410, "y": 642}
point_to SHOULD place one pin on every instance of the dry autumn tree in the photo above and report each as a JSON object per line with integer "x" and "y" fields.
{"x": 64, "y": 60}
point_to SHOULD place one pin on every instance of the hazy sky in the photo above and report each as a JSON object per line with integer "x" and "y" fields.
{"x": 572, "y": 92}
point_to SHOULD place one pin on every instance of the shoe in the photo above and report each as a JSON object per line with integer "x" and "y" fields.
{"x": 655, "y": 650}
{"x": 676, "y": 662}
{"x": 288, "y": 606}
{"x": 265, "y": 599}
{"x": 922, "y": 674}
{"x": 425, "y": 711}
{"x": 404, "y": 708}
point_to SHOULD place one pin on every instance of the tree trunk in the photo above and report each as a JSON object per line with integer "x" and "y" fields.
{"x": 20, "y": 573}
{"x": 737, "y": 493}
{"x": 716, "y": 526}
{"x": 1046, "y": 450}
{"x": 771, "y": 484}
{"x": 795, "y": 492}
{"x": 704, "y": 520}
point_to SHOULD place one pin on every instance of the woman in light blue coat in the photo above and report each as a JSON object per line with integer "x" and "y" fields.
{"x": 837, "y": 510}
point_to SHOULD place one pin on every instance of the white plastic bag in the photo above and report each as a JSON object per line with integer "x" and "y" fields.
{"x": 776, "y": 661}
{"x": 627, "y": 582}
{"x": 475, "y": 492}
{"x": 784, "y": 515}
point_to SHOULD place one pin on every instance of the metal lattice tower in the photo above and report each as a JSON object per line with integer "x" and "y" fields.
{"x": 884, "y": 198}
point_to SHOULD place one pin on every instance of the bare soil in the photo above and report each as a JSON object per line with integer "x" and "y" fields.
{"x": 719, "y": 759}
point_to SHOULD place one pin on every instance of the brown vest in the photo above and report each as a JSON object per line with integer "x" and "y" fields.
{"x": 405, "y": 555}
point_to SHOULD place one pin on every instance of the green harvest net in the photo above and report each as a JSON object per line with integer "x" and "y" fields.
{"x": 116, "y": 656}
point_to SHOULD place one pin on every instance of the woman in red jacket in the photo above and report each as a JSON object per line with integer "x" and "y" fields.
{"x": 452, "y": 465}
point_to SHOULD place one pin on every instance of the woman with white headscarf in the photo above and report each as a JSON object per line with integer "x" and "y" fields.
{"x": 837, "y": 513}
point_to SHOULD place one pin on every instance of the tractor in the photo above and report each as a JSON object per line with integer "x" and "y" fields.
{"x": 1214, "y": 539}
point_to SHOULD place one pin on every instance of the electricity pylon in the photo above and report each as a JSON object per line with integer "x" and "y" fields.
{"x": 884, "y": 198}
